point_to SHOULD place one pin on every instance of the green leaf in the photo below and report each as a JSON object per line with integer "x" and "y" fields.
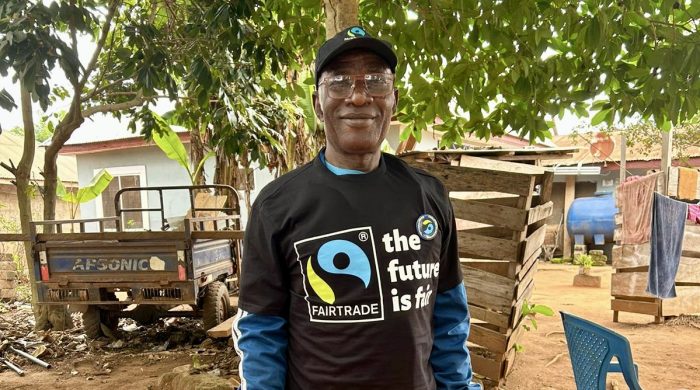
{"x": 200, "y": 166}
{"x": 169, "y": 142}
{"x": 97, "y": 185}
{"x": 543, "y": 309}
{"x": 599, "y": 117}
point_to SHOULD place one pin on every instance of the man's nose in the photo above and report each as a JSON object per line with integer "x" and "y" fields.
{"x": 359, "y": 96}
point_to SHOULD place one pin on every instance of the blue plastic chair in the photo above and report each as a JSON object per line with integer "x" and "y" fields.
{"x": 591, "y": 348}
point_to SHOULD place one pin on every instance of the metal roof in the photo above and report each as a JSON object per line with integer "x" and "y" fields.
{"x": 11, "y": 148}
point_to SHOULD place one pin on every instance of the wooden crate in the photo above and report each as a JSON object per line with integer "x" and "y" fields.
{"x": 501, "y": 209}
{"x": 629, "y": 282}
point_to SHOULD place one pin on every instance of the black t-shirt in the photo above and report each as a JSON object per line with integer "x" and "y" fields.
{"x": 354, "y": 263}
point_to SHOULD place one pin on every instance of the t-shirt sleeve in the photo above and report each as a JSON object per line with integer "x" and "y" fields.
{"x": 450, "y": 271}
{"x": 264, "y": 284}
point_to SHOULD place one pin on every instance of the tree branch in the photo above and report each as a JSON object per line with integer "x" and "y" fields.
{"x": 100, "y": 43}
{"x": 137, "y": 101}
{"x": 97, "y": 90}
{"x": 10, "y": 168}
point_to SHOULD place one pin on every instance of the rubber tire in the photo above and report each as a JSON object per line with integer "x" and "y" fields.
{"x": 216, "y": 306}
{"x": 148, "y": 314}
{"x": 91, "y": 322}
{"x": 93, "y": 317}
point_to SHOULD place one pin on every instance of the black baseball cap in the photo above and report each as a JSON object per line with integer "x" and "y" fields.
{"x": 354, "y": 37}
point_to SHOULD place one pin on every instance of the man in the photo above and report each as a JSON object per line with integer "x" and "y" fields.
{"x": 350, "y": 277}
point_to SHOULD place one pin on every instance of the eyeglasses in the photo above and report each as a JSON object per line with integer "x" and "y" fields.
{"x": 342, "y": 86}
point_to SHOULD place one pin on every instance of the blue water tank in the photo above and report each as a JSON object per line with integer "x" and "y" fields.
{"x": 592, "y": 220}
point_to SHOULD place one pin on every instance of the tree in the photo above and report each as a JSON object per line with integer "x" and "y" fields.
{"x": 43, "y": 130}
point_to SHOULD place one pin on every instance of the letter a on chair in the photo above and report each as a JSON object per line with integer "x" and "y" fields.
{"x": 591, "y": 348}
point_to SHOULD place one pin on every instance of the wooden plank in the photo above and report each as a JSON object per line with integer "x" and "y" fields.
{"x": 6, "y": 237}
{"x": 498, "y": 166}
{"x": 499, "y": 198}
{"x": 525, "y": 267}
{"x": 477, "y": 179}
{"x": 509, "y": 362}
{"x": 498, "y": 319}
{"x": 221, "y": 331}
{"x": 540, "y": 212}
{"x": 491, "y": 214}
{"x": 526, "y": 279}
{"x": 487, "y": 247}
{"x": 489, "y": 231}
{"x": 651, "y": 308}
{"x": 218, "y": 235}
{"x": 517, "y": 308}
{"x": 687, "y": 302}
{"x": 506, "y": 269}
{"x": 487, "y": 338}
{"x": 516, "y": 335}
{"x": 112, "y": 236}
{"x": 491, "y": 301}
{"x": 487, "y": 282}
{"x": 546, "y": 182}
{"x": 488, "y": 368}
{"x": 534, "y": 242}
{"x": 636, "y": 299}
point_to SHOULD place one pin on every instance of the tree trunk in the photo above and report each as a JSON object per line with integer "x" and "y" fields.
{"x": 64, "y": 130}
{"x": 224, "y": 174}
{"x": 340, "y": 14}
{"x": 22, "y": 177}
{"x": 197, "y": 153}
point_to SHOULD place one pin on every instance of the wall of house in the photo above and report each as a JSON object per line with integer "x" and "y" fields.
{"x": 159, "y": 171}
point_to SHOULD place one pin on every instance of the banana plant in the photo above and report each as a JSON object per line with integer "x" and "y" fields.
{"x": 169, "y": 142}
{"x": 85, "y": 194}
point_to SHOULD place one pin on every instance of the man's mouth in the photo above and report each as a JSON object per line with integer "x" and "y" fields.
{"x": 357, "y": 116}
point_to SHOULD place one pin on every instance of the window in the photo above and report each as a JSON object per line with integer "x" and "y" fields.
{"x": 125, "y": 177}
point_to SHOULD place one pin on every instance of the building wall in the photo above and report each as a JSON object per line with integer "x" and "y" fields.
{"x": 159, "y": 171}
{"x": 9, "y": 208}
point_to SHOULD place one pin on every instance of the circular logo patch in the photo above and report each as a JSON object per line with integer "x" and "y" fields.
{"x": 427, "y": 226}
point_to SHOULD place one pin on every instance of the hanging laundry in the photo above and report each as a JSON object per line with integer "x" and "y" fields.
{"x": 687, "y": 183}
{"x": 667, "y": 229}
{"x": 694, "y": 213}
{"x": 634, "y": 198}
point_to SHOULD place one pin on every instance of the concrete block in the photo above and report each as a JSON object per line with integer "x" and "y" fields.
{"x": 8, "y": 275}
{"x": 7, "y": 284}
{"x": 583, "y": 280}
{"x": 8, "y": 293}
{"x": 7, "y": 266}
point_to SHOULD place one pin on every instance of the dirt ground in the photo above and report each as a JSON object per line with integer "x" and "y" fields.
{"x": 668, "y": 355}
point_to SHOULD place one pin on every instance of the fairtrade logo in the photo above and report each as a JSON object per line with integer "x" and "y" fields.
{"x": 358, "y": 267}
{"x": 356, "y": 32}
{"x": 341, "y": 276}
{"x": 427, "y": 226}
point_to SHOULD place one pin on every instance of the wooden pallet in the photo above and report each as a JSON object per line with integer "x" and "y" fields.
{"x": 501, "y": 229}
{"x": 628, "y": 285}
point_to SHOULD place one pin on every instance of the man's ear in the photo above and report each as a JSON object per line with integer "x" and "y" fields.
{"x": 317, "y": 107}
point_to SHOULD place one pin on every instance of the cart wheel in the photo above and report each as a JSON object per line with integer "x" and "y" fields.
{"x": 148, "y": 314}
{"x": 217, "y": 306}
{"x": 94, "y": 318}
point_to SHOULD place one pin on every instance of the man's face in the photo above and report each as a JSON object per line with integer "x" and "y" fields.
{"x": 358, "y": 123}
